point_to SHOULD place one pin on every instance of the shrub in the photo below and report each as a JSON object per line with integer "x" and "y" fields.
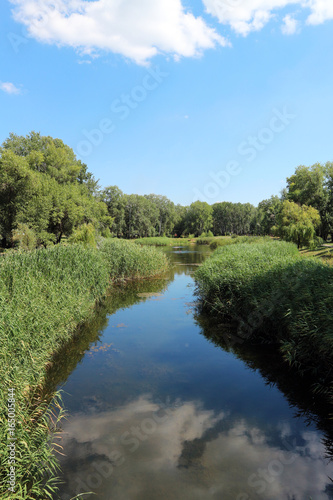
{"x": 24, "y": 237}
{"x": 84, "y": 235}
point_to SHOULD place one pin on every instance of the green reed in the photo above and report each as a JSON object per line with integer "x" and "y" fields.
{"x": 44, "y": 296}
{"x": 274, "y": 295}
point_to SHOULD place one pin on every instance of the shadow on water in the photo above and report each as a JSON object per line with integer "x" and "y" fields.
{"x": 312, "y": 408}
{"x": 88, "y": 335}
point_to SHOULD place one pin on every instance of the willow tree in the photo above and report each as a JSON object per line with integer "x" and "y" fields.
{"x": 297, "y": 223}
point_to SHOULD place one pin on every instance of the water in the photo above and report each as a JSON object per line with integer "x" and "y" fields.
{"x": 159, "y": 411}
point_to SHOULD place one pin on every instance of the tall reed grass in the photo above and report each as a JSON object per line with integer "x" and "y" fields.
{"x": 157, "y": 241}
{"x": 276, "y": 296}
{"x": 126, "y": 260}
{"x": 162, "y": 241}
{"x": 221, "y": 242}
{"x": 44, "y": 296}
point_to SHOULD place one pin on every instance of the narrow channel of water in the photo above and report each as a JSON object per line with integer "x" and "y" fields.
{"x": 159, "y": 410}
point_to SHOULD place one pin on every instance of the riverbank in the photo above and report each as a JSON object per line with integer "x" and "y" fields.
{"x": 45, "y": 295}
{"x": 274, "y": 295}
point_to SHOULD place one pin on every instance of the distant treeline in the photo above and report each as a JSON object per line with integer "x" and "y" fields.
{"x": 47, "y": 194}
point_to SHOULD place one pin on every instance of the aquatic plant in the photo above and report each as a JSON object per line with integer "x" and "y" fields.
{"x": 44, "y": 295}
{"x": 277, "y": 296}
{"x": 126, "y": 260}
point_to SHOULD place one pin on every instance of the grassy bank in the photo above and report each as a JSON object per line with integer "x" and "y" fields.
{"x": 277, "y": 296}
{"x": 44, "y": 296}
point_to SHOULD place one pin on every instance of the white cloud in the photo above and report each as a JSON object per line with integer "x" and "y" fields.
{"x": 136, "y": 30}
{"x": 289, "y": 26}
{"x": 9, "y": 88}
{"x": 244, "y": 16}
{"x": 130, "y": 453}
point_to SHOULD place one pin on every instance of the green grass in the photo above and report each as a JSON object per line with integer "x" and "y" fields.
{"x": 277, "y": 296}
{"x": 44, "y": 296}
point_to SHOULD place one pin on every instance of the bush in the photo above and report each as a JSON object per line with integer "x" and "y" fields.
{"x": 106, "y": 233}
{"x": 24, "y": 237}
{"x": 84, "y": 235}
{"x": 316, "y": 243}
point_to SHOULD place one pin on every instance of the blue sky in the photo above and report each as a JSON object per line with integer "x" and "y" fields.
{"x": 218, "y": 100}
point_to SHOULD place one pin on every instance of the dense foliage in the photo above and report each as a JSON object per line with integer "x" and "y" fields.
{"x": 274, "y": 295}
{"x": 44, "y": 187}
{"x": 46, "y": 194}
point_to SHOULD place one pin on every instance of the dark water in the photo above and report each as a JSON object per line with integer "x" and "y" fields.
{"x": 160, "y": 410}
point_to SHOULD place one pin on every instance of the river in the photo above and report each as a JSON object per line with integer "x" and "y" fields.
{"x": 158, "y": 410}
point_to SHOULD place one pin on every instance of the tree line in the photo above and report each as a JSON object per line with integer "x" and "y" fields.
{"x": 46, "y": 194}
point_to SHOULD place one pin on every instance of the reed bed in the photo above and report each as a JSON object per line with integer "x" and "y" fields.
{"x": 44, "y": 296}
{"x": 126, "y": 260}
{"x": 275, "y": 296}
{"x": 221, "y": 242}
{"x": 154, "y": 241}
{"x": 163, "y": 241}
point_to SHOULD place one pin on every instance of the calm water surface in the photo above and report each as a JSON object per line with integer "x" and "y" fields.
{"x": 159, "y": 411}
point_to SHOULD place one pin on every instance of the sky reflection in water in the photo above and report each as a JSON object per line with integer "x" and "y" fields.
{"x": 161, "y": 413}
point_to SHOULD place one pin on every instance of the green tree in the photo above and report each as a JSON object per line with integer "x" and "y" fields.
{"x": 199, "y": 218}
{"x": 327, "y": 216}
{"x": 308, "y": 186}
{"x": 43, "y": 186}
{"x": 267, "y": 214}
{"x": 297, "y": 223}
{"x": 166, "y": 213}
{"x": 141, "y": 216}
{"x": 233, "y": 218}
{"x": 115, "y": 201}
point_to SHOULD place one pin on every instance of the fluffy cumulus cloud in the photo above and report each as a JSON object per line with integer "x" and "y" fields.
{"x": 136, "y": 30}
{"x": 245, "y": 16}
{"x": 186, "y": 452}
{"x": 9, "y": 88}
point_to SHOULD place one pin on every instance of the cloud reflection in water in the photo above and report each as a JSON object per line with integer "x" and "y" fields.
{"x": 145, "y": 451}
